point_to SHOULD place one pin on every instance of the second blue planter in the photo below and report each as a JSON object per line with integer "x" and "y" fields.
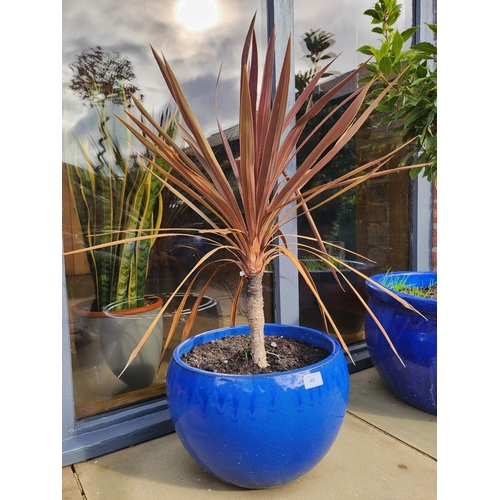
{"x": 414, "y": 336}
{"x": 259, "y": 431}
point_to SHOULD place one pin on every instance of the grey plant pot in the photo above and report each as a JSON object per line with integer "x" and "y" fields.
{"x": 111, "y": 337}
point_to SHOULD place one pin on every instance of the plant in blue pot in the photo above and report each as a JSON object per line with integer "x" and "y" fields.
{"x": 272, "y": 422}
{"x": 411, "y": 107}
{"x": 414, "y": 335}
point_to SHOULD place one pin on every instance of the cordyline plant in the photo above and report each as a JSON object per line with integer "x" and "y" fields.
{"x": 248, "y": 219}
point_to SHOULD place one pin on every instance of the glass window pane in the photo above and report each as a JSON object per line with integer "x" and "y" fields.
{"x": 107, "y": 58}
{"x": 373, "y": 219}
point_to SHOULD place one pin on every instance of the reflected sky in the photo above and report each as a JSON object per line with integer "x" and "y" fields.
{"x": 130, "y": 26}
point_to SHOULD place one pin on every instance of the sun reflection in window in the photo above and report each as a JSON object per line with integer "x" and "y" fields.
{"x": 197, "y": 14}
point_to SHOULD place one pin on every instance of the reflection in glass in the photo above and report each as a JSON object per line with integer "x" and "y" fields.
{"x": 107, "y": 58}
{"x": 371, "y": 220}
{"x": 113, "y": 41}
{"x": 197, "y": 14}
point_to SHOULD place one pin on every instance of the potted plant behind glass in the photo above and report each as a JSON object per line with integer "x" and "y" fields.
{"x": 342, "y": 303}
{"x": 115, "y": 197}
{"x": 410, "y": 106}
{"x": 233, "y": 423}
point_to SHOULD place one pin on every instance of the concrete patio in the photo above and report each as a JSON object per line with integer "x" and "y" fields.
{"x": 385, "y": 450}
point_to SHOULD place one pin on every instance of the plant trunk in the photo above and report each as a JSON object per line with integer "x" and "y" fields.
{"x": 255, "y": 303}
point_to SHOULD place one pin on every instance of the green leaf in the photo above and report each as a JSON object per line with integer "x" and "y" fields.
{"x": 372, "y": 13}
{"x": 421, "y": 71}
{"x": 396, "y": 67}
{"x": 367, "y": 50}
{"x": 385, "y": 66}
{"x": 407, "y": 34}
{"x": 372, "y": 67}
{"x": 432, "y": 27}
{"x": 365, "y": 79}
{"x": 426, "y": 48}
{"x": 383, "y": 108}
{"x": 384, "y": 50}
{"x": 397, "y": 43}
{"x": 389, "y": 119}
{"x": 393, "y": 18}
{"x": 414, "y": 115}
{"x": 392, "y": 101}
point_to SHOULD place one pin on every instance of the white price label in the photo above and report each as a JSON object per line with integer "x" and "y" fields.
{"x": 313, "y": 380}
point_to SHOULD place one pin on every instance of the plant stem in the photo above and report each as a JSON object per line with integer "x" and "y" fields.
{"x": 255, "y": 303}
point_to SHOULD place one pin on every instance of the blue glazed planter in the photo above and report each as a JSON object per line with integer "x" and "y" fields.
{"x": 414, "y": 337}
{"x": 259, "y": 431}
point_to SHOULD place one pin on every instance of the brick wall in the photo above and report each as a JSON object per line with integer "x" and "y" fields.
{"x": 382, "y": 227}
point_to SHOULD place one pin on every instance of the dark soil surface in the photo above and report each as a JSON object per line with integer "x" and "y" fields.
{"x": 231, "y": 355}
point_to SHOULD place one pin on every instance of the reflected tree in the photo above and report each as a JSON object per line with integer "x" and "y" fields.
{"x": 102, "y": 76}
{"x": 317, "y": 42}
{"x": 336, "y": 219}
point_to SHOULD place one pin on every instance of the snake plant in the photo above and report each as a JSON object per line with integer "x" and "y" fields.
{"x": 116, "y": 198}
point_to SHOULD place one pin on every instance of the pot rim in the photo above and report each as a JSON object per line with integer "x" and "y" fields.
{"x": 206, "y": 303}
{"x": 357, "y": 264}
{"x": 82, "y": 309}
{"x": 202, "y": 338}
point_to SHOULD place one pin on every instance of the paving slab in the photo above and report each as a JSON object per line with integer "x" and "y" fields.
{"x": 364, "y": 463}
{"x": 70, "y": 489}
{"x": 372, "y": 401}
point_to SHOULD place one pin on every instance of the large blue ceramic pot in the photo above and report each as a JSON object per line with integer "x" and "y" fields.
{"x": 259, "y": 431}
{"x": 414, "y": 337}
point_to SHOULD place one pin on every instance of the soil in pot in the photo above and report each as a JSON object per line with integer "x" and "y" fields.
{"x": 232, "y": 355}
